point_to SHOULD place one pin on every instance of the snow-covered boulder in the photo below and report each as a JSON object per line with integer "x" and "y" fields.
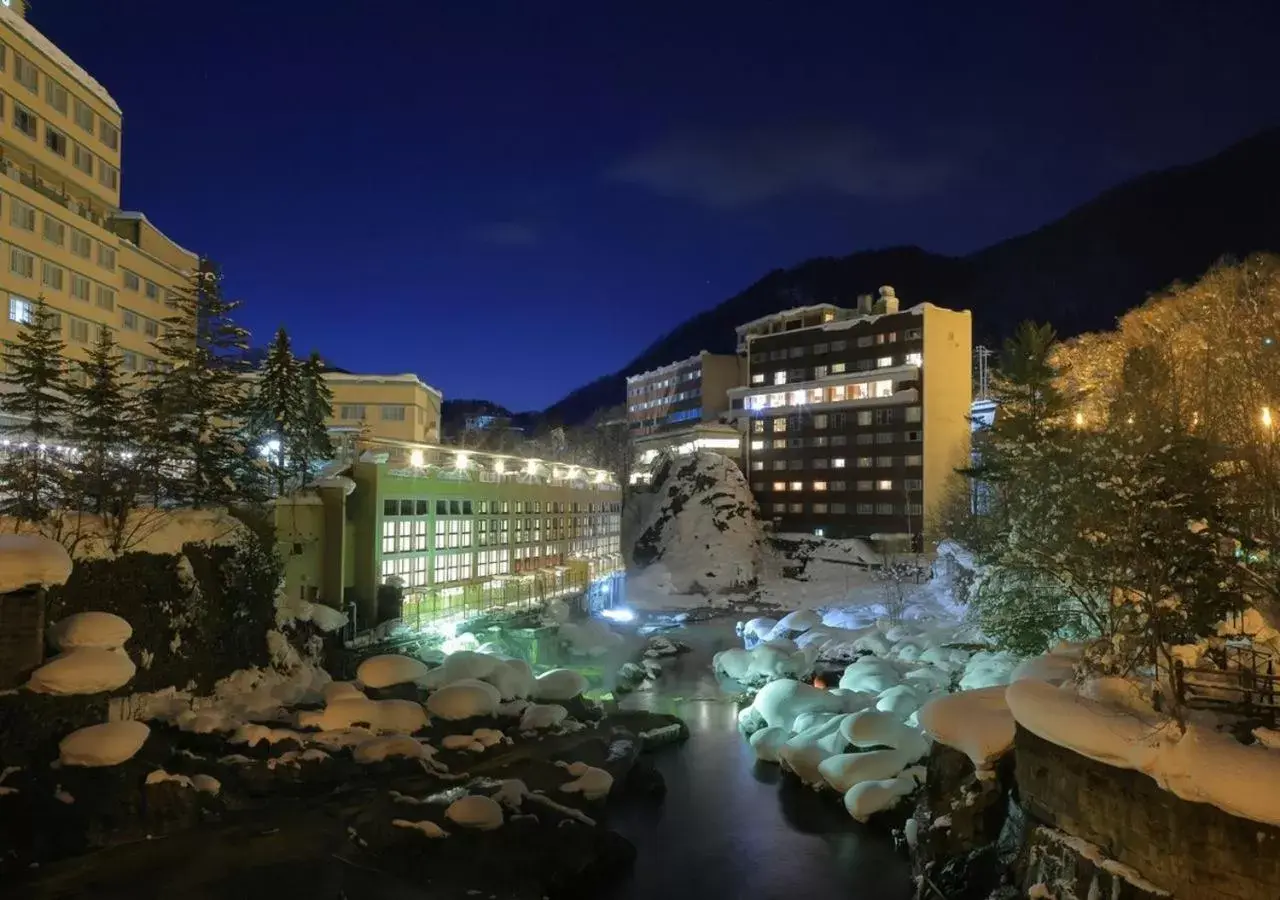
{"x": 799, "y": 621}
{"x": 542, "y": 715}
{"x": 977, "y": 723}
{"x": 388, "y": 669}
{"x": 843, "y": 771}
{"x": 381, "y": 715}
{"x": 870, "y": 675}
{"x": 701, "y": 527}
{"x": 425, "y": 827}
{"x": 86, "y": 670}
{"x": 589, "y": 781}
{"x": 780, "y": 702}
{"x": 559, "y": 684}
{"x": 108, "y": 744}
{"x": 341, "y": 690}
{"x": 808, "y": 749}
{"x": 475, "y": 811}
{"x": 779, "y": 658}
{"x": 768, "y": 742}
{"x": 986, "y": 669}
{"x": 901, "y": 701}
{"x": 513, "y": 678}
{"x": 589, "y": 638}
{"x": 381, "y": 748}
{"x": 463, "y": 699}
{"x": 867, "y": 798}
{"x": 98, "y": 630}
{"x": 873, "y": 728}
{"x": 30, "y": 560}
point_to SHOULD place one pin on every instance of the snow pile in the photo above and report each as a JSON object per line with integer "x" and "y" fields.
{"x": 977, "y": 723}
{"x": 559, "y": 684}
{"x": 477, "y": 741}
{"x": 99, "y": 630}
{"x": 103, "y": 745}
{"x": 700, "y": 535}
{"x": 29, "y": 560}
{"x": 87, "y": 670}
{"x": 1199, "y": 765}
{"x": 589, "y": 781}
{"x": 475, "y": 811}
{"x": 426, "y": 827}
{"x": 512, "y": 678}
{"x": 205, "y": 784}
{"x": 589, "y": 638}
{"x": 464, "y": 699}
{"x": 538, "y": 716}
{"x": 765, "y": 661}
{"x": 379, "y": 749}
{"x": 404, "y": 716}
{"x": 295, "y": 609}
{"x": 388, "y": 669}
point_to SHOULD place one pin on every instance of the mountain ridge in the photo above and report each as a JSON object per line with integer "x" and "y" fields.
{"x": 1080, "y": 271}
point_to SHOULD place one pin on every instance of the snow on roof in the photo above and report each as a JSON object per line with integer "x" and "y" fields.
{"x": 675, "y": 365}
{"x": 406, "y": 378}
{"x": 29, "y": 33}
{"x": 142, "y": 217}
{"x": 793, "y": 311}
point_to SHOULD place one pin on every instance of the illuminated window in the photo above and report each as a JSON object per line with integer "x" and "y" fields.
{"x": 779, "y": 399}
{"x": 779, "y": 443}
{"x": 757, "y": 426}
{"x": 757, "y": 378}
{"x": 884, "y": 484}
{"x": 915, "y": 359}
{"x": 797, "y": 485}
{"x": 819, "y": 485}
{"x": 757, "y": 445}
{"x": 884, "y": 362}
{"x": 839, "y": 393}
{"x": 817, "y": 395}
{"x": 779, "y": 425}
{"x": 837, "y": 368}
{"x": 21, "y": 310}
{"x": 864, "y": 417}
{"x": 780, "y": 377}
{"x": 757, "y": 465}
{"x": 779, "y": 485}
{"x": 779, "y": 507}
{"x": 913, "y": 414}
{"x": 837, "y": 463}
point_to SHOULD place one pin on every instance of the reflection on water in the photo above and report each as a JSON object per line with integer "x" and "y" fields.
{"x": 733, "y": 828}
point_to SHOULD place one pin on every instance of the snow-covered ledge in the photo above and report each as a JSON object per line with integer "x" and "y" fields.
{"x": 29, "y": 563}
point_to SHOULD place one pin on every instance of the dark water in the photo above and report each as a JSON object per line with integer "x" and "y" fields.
{"x": 730, "y": 827}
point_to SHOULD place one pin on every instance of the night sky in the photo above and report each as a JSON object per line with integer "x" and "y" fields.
{"x": 510, "y": 199}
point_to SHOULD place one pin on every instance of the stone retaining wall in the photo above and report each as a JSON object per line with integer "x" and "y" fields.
{"x": 1193, "y": 850}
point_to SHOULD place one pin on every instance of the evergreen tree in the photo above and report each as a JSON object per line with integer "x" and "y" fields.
{"x": 197, "y": 398}
{"x": 317, "y": 405}
{"x": 33, "y": 467}
{"x": 102, "y": 426}
{"x": 277, "y": 410}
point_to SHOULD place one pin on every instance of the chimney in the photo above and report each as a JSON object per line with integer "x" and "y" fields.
{"x": 887, "y": 304}
{"x": 864, "y": 304}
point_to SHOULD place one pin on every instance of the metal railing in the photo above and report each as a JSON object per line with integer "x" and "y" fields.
{"x": 1242, "y": 681}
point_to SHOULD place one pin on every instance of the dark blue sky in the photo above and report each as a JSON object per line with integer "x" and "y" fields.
{"x": 510, "y": 199}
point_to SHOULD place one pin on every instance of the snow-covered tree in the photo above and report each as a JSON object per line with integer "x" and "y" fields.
{"x": 277, "y": 410}
{"x": 32, "y": 468}
{"x": 102, "y": 422}
{"x": 317, "y": 407}
{"x": 197, "y": 399}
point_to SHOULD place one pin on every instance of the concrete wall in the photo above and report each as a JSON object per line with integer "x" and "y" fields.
{"x": 1193, "y": 850}
{"x": 947, "y": 394}
{"x": 720, "y": 372}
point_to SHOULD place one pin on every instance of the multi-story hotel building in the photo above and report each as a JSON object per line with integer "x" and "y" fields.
{"x": 460, "y": 531}
{"x": 63, "y": 233}
{"x": 856, "y": 419}
{"x": 678, "y": 407}
{"x": 396, "y": 407}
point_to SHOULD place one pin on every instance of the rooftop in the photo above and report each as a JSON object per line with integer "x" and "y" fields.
{"x": 355, "y": 378}
{"x": 50, "y": 49}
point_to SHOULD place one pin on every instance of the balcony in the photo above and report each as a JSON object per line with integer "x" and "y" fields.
{"x": 28, "y": 176}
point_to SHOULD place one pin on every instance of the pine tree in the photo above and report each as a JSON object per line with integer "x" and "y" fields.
{"x": 102, "y": 426}
{"x": 317, "y": 405}
{"x": 197, "y": 398}
{"x": 32, "y": 470}
{"x": 277, "y": 410}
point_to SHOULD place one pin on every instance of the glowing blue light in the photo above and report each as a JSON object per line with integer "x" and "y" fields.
{"x": 621, "y": 614}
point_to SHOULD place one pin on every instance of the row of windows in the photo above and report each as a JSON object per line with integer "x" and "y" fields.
{"x": 664, "y": 401}
{"x": 133, "y": 282}
{"x": 445, "y": 507}
{"x": 838, "y": 462}
{"x": 22, "y": 215}
{"x": 22, "y": 310}
{"x": 838, "y": 393}
{"x": 358, "y": 412}
{"x": 820, "y": 349}
{"x": 861, "y": 509}
{"x": 28, "y": 74}
{"x": 791, "y": 376}
{"x": 57, "y": 142}
{"x": 677, "y": 379}
{"x": 881, "y": 484}
{"x": 885, "y": 415}
{"x": 862, "y": 439}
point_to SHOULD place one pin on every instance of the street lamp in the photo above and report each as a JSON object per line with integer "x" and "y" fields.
{"x": 1266, "y": 417}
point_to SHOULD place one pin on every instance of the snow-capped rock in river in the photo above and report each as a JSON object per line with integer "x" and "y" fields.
{"x": 700, "y": 534}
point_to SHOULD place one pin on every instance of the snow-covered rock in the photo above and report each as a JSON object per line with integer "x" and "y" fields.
{"x": 342, "y": 690}
{"x": 768, "y": 742}
{"x": 780, "y": 702}
{"x": 870, "y": 675}
{"x": 28, "y": 560}
{"x": 381, "y": 715}
{"x": 701, "y": 529}
{"x": 867, "y": 798}
{"x": 559, "y": 684}
{"x": 388, "y": 669}
{"x": 542, "y": 715}
{"x": 977, "y": 723}
{"x": 475, "y": 811}
{"x": 589, "y": 638}
{"x": 986, "y": 669}
{"x": 464, "y": 699}
{"x": 799, "y": 621}
{"x": 777, "y": 658}
{"x": 86, "y": 670}
{"x": 843, "y": 771}
{"x": 108, "y": 744}
{"x": 98, "y": 630}
{"x": 381, "y": 748}
{"x": 513, "y": 678}
{"x": 589, "y": 781}
{"x": 425, "y": 827}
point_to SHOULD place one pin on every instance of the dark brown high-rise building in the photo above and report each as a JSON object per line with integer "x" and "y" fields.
{"x": 856, "y": 419}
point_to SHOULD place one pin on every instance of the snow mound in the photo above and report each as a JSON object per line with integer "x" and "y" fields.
{"x": 590, "y": 782}
{"x": 559, "y": 684}
{"x": 843, "y": 771}
{"x": 426, "y": 827}
{"x": 326, "y": 618}
{"x": 778, "y": 658}
{"x": 801, "y": 620}
{"x": 341, "y": 690}
{"x": 1056, "y": 667}
{"x": 538, "y": 716}
{"x": 464, "y": 699}
{"x": 589, "y": 638}
{"x": 513, "y": 678}
{"x": 987, "y": 669}
{"x": 769, "y": 741}
{"x": 701, "y": 530}
{"x": 87, "y": 670}
{"x": 28, "y": 560}
{"x": 977, "y": 723}
{"x": 103, "y": 745}
{"x": 781, "y": 702}
{"x": 205, "y": 784}
{"x": 867, "y": 798}
{"x": 379, "y": 749}
{"x": 99, "y": 630}
{"x": 388, "y": 669}
{"x": 380, "y": 715}
{"x": 475, "y": 811}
